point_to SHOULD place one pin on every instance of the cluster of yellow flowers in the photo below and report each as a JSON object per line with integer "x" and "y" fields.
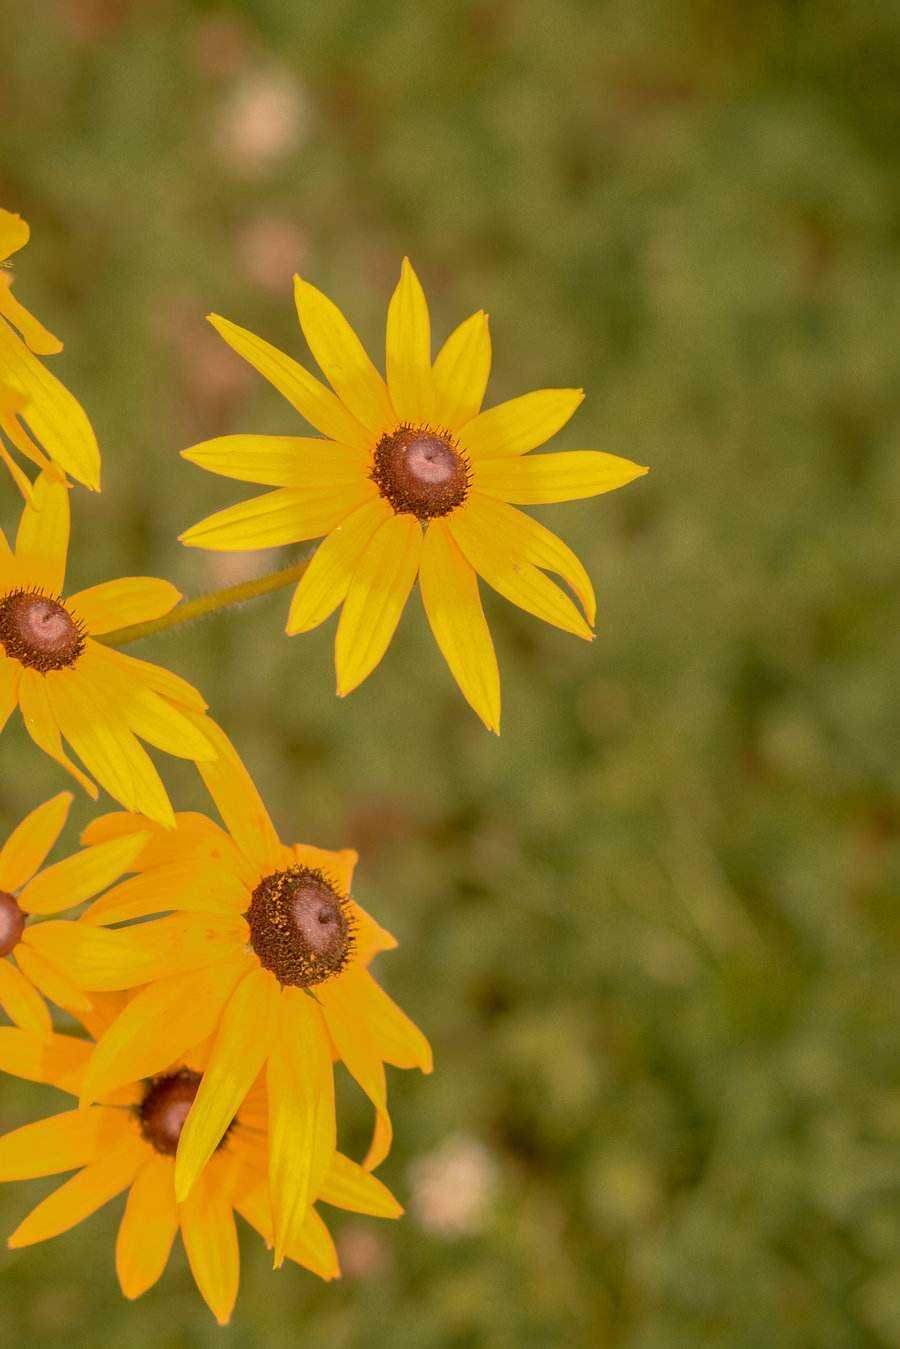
{"x": 218, "y": 973}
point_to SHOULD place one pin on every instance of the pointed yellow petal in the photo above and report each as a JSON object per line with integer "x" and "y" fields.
{"x": 185, "y": 884}
{"x": 302, "y": 390}
{"x": 461, "y": 372}
{"x": 118, "y": 604}
{"x": 314, "y": 1249}
{"x": 343, "y": 359}
{"x": 29, "y": 843}
{"x": 54, "y": 983}
{"x": 281, "y": 461}
{"x": 369, "y": 937}
{"x": 14, "y": 233}
{"x": 35, "y": 336}
{"x": 240, "y": 1050}
{"x": 81, "y": 876}
{"x": 57, "y": 1060}
{"x": 537, "y": 479}
{"x": 324, "y": 584}
{"x": 22, "y": 1003}
{"x": 60, "y": 1143}
{"x": 395, "y": 1038}
{"x": 42, "y": 540}
{"x": 477, "y": 529}
{"x": 41, "y": 724}
{"x": 375, "y": 600}
{"x": 338, "y": 867}
{"x": 453, "y": 605}
{"x": 349, "y": 1186}
{"x": 10, "y": 676}
{"x": 521, "y": 424}
{"x": 408, "y": 350}
{"x": 95, "y": 957}
{"x": 148, "y": 1227}
{"x": 55, "y": 418}
{"x": 287, "y": 515}
{"x": 210, "y": 1241}
{"x": 150, "y": 715}
{"x": 239, "y": 803}
{"x": 362, "y": 1061}
{"x": 81, "y": 1196}
{"x": 168, "y": 685}
{"x": 301, "y": 1114}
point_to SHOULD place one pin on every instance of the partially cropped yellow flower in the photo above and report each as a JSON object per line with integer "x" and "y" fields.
{"x": 128, "y": 1142}
{"x": 266, "y": 952}
{"x": 33, "y": 968}
{"x": 413, "y": 480}
{"x": 37, "y": 412}
{"x": 69, "y": 685}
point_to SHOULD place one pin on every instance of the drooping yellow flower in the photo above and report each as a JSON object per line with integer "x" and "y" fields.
{"x": 38, "y": 414}
{"x": 412, "y": 480}
{"x": 267, "y": 953}
{"x": 26, "y": 891}
{"x": 70, "y": 686}
{"x": 128, "y": 1141}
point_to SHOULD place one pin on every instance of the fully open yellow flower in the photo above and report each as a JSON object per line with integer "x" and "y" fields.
{"x": 413, "y": 480}
{"x": 26, "y": 891}
{"x": 37, "y": 412}
{"x": 128, "y": 1142}
{"x": 267, "y": 953}
{"x": 70, "y": 686}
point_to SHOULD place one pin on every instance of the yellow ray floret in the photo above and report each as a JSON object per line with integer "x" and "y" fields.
{"x": 411, "y": 481}
{"x": 69, "y": 686}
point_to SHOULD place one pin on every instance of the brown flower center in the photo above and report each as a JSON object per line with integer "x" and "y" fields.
{"x": 421, "y": 471}
{"x": 39, "y": 631}
{"x": 299, "y": 927}
{"x": 165, "y": 1107}
{"x": 12, "y": 923}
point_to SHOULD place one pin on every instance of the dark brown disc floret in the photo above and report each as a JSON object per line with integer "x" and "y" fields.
{"x": 38, "y": 630}
{"x": 421, "y": 471}
{"x": 300, "y": 927}
{"x": 165, "y": 1107}
{"x": 12, "y": 923}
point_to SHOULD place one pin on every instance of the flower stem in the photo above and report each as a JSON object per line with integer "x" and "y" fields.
{"x": 206, "y": 604}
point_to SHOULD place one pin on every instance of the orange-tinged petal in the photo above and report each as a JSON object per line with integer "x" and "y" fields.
{"x": 55, "y": 418}
{"x": 81, "y": 876}
{"x": 57, "y": 1060}
{"x": 343, "y": 359}
{"x": 118, "y": 604}
{"x": 396, "y": 1039}
{"x": 535, "y": 480}
{"x": 408, "y": 350}
{"x": 41, "y": 724}
{"x": 361, "y": 1059}
{"x": 30, "y": 842}
{"x": 241, "y": 1046}
{"x": 287, "y": 515}
{"x": 302, "y": 390}
{"x": 338, "y": 867}
{"x": 452, "y": 602}
{"x": 22, "y": 1003}
{"x": 324, "y": 584}
{"x": 81, "y": 1196}
{"x": 42, "y": 541}
{"x": 48, "y": 979}
{"x": 461, "y": 372}
{"x": 14, "y": 233}
{"x": 239, "y": 803}
{"x": 210, "y": 1241}
{"x": 348, "y": 1186}
{"x": 375, "y": 600}
{"x": 148, "y": 1227}
{"x": 281, "y": 461}
{"x": 521, "y": 424}
{"x": 59, "y": 1143}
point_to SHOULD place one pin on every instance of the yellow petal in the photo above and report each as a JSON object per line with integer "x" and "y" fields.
{"x": 168, "y": 685}
{"x": 343, "y": 359}
{"x": 36, "y": 337}
{"x": 186, "y": 884}
{"x": 22, "y": 1003}
{"x": 287, "y": 515}
{"x": 239, "y": 803}
{"x": 302, "y": 390}
{"x": 313, "y": 1248}
{"x": 395, "y": 1038}
{"x": 378, "y": 592}
{"x": 301, "y": 1114}
{"x": 40, "y": 722}
{"x": 53, "y": 982}
{"x": 324, "y": 584}
{"x": 60, "y": 1143}
{"x": 118, "y": 604}
{"x": 148, "y": 1227}
{"x": 461, "y": 372}
{"x": 29, "y": 843}
{"x": 349, "y": 1186}
{"x": 369, "y": 937}
{"x": 338, "y": 867}
{"x": 42, "y": 540}
{"x": 477, "y": 528}
{"x": 14, "y": 233}
{"x": 538, "y": 479}
{"x": 210, "y": 1241}
{"x": 55, "y": 418}
{"x": 241, "y": 1046}
{"x": 95, "y": 957}
{"x": 362, "y": 1061}
{"x": 81, "y": 1196}
{"x": 150, "y": 715}
{"x": 520, "y": 424}
{"x": 57, "y": 1060}
{"x": 408, "y": 350}
{"x": 10, "y": 676}
{"x": 453, "y": 605}
{"x": 159, "y": 1024}
{"x": 81, "y": 876}
{"x": 280, "y": 461}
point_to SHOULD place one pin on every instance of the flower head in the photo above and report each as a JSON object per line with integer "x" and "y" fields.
{"x": 412, "y": 480}
{"x": 70, "y": 686}
{"x": 38, "y": 414}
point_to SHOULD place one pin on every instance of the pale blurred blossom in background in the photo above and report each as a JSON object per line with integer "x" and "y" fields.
{"x": 453, "y": 1187}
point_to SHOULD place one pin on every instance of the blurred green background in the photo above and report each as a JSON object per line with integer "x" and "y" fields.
{"x": 651, "y": 931}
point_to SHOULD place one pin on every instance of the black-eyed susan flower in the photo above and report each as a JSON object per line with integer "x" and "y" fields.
{"x": 268, "y": 954}
{"x": 38, "y": 414}
{"x": 128, "y": 1141}
{"x": 29, "y": 971}
{"x": 70, "y": 687}
{"x": 412, "y": 480}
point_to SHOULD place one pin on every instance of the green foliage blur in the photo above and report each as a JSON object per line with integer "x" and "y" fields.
{"x": 651, "y": 931}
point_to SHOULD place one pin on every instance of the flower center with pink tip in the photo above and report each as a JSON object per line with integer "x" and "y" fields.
{"x": 299, "y": 927}
{"x": 421, "y": 471}
{"x": 38, "y": 631}
{"x": 164, "y": 1109}
{"x": 12, "y": 923}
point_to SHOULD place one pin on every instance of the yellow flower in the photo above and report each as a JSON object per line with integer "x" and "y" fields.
{"x": 26, "y": 891}
{"x": 34, "y": 405}
{"x": 267, "y": 953}
{"x": 69, "y": 685}
{"x": 412, "y": 480}
{"x": 128, "y": 1142}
